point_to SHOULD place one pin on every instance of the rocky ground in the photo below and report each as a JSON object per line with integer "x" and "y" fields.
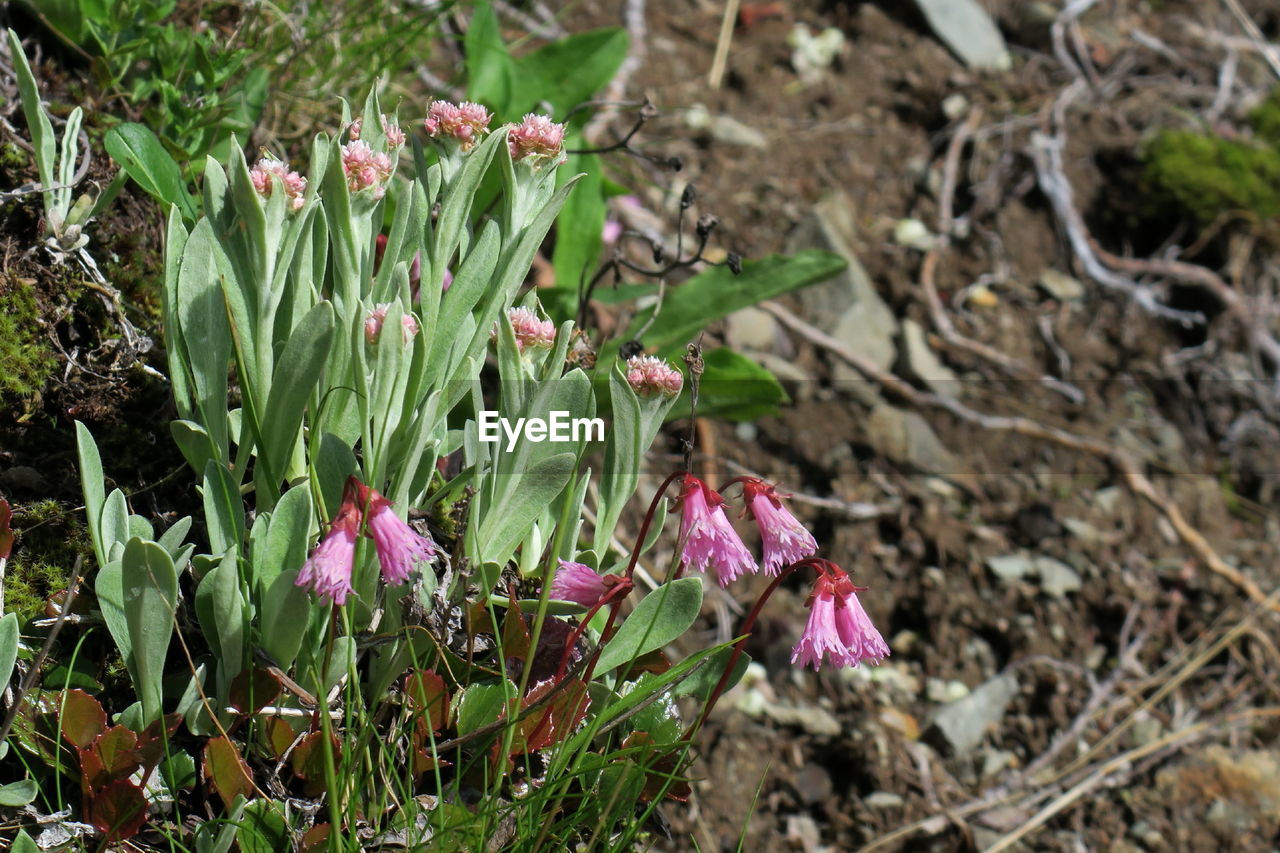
{"x": 1058, "y": 492}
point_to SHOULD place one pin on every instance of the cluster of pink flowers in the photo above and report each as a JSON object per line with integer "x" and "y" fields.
{"x": 393, "y": 132}
{"x": 295, "y": 186}
{"x": 531, "y": 330}
{"x": 400, "y": 548}
{"x": 462, "y": 123}
{"x": 648, "y": 376}
{"x": 366, "y": 168}
{"x": 838, "y": 627}
{"x": 537, "y": 137}
{"x": 374, "y": 319}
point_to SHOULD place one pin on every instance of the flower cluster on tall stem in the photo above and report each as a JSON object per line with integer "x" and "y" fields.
{"x": 400, "y": 548}
{"x": 457, "y": 124}
{"x": 294, "y": 185}
{"x": 366, "y": 168}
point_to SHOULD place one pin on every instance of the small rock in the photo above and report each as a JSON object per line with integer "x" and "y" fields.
{"x": 1061, "y": 286}
{"x": 914, "y": 234}
{"x": 883, "y": 800}
{"x": 752, "y": 703}
{"x": 922, "y": 363}
{"x": 1057, "y": 578}
{"x": 907, "y": 438}
{"x": 900, "y": 722}
{"x": 811, "y": 718}
{"x": 751, "y": 328}
{"x": 942, "y": 692}
{"x": 1011, "y": 567}
{"x": 981, "y": 296}
{"x": 1082, "y": 530}
{"x": 725, "y": 128}
{"x": 994, "y": 761}
{"x": 746, "y": 432}
{"x": 964, "y": 723}
{"x": 812, "y": 783}
{"x": 955, "y": 106}
{"x": 846, "y": 306}
{"x": 803, "y": 830}
{"x": 24, "y": 478}
{"x": 966, "y": 28}
{"x": 1106, "y": 499}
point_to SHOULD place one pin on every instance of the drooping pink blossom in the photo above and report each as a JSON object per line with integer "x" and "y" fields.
{"x": 785, "y": 539}
{"x": 366, "y": 168}
{"x": 400, "y": 548}
{"x": 374, "y": 319}
{"x": 537, "y": 137}
{"x": 649, "y": 376}
{"x": 462, "y": 123}
{"x": 838, "y": 629}
{"x": 578, "y": 583}
{"x": 327, "y": 572}
{"x": 709, "y": 538}
{"x": 531, "y": 331}
{"x": 295, "y": 186}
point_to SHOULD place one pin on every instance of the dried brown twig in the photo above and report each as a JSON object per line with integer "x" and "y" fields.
{"x": 1124, "y": 462}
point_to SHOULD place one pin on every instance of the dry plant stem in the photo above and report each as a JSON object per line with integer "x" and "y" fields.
{"x": 723, "y": 43}
{"x": 1128, "y": 467}
{"x": 1255, "y": 35}
{"x": 1249, "y": 318}
{"x": 1120, "y": 763}
{"x": 937, "y": 313}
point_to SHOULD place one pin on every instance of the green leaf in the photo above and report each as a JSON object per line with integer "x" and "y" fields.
{"x": 296, "y": 375}
{"x": 285, "y": 544}
{"x": 17, "y": 794}
{"x": 91, "y": 480}
{"x": 283, "y": 618}
{"x": 262, "y": 828}
{"x": 480, "y": 705}
{"x": 23, "y": 843}
{"x": 115, "y": 521}
{"x": 38, "y": 124}
{"x": 490, "y": 69}
{"x": 507, "y": 523}
{"x": 660, "y": 618}
{"x": 220, "y": 609}
{"x": 202, "y": 316}
{"x": 581, "y": 222}
{"x": 702, "y": 682}
{"x": 8, "y": 647}
{"x": 734, "y": 387}
{"x": 150, "y": 585}
{"x": 223, "y": 508}
{"x": 568, "y": 71}
{"x": 144, "y": 159}
{"x": 110, "y": 594}
{"x": 716, "y": 292}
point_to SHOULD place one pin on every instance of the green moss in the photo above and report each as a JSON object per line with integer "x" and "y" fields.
{"x": 1208, "y": 176}
{"x": 49, "y": 539}
{"x": 1265, "y": 119}
{"x": 26, "y": 356}
{"x": 13, "y": 158}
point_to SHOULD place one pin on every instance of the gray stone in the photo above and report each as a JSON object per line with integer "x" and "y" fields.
{"x": 883, "y": 800}
{"x": 1011, "y": 567}
{"x": 811, "y": 718}
{"x": 846, "y": 306}
{"x": 1061, "y": 286}
{"x": 751, "y": 328}
{"x": 907, "y": 438}
{"x": 1083, "y": 531}
{"x": 963, "y": 723}
{"x": 1057, "y": 578}
{"x": 1105, "y": 499}
{"x": 812, "y": 783}
{"x": 804, "y": 830}
{"x": 921, "y": 362}
{"x": 966, "y": 28}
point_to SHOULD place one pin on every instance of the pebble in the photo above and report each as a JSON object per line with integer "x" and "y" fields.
{"x": 907, "y": 438}
{"x": 811, "y": 718}
{"x": 1061, "y": 286}
{"x": 922, "y": 363}
{"x": 914, "y": 234}
{"x": 966, "y": 28}
{"x": 883, "y": 800}
{"x": 963, "y": 724}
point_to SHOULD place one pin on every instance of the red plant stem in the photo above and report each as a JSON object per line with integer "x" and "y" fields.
{"x": 648, "y": 519}
{"x": 748, "y": 625}
{"x": 614, "y": 596}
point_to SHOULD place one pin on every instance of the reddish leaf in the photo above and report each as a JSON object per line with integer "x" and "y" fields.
{"x": 553, "y": 722}
{"x": 82, "y": 718}
{"x": 152, "y": 739}
{"x": 308, "y": 762}
{"x": 655, "y": 661}
{"x": 515, "y": 634}
{"x": 425, "y": 762}
{"x": 316, "y": 838}
{"x": 6, "y": 535}
{"x": 116, "y": 751}
{"x": 252, "y": 690}
{"x": 117, "y": 810}
{"x": 428, "y": 698}
{"x": 277, "y": 736}
{"x": 225, "y": 770}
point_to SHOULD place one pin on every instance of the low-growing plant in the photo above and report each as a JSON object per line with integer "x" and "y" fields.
{"x": 450, "y": 666}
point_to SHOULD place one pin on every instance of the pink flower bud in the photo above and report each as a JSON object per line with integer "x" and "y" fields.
{"x": 537, "y": 137}
{"x": 374, "y": 319}
{"x": 649, "y": 376}
{"x": 578, "y": 583}
{"x": 295, "y": 186}
{"x": 393, "y": 132}
{"x": 530, "y": 330}
{"x": 463, "y": 123}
